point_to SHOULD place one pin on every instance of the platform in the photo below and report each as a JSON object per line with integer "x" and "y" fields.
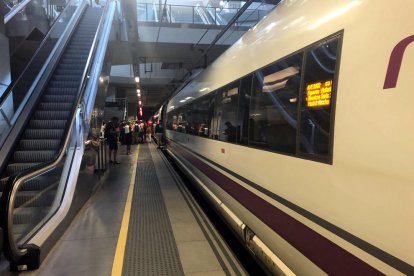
{"x": 142, "y": 220}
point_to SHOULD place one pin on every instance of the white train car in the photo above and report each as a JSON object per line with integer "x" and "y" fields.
{"x": 302, "y": 135}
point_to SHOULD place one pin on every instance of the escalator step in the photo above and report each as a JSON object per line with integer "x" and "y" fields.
{"x": 84, "y": 35}
{"x": 43, "y": 133}
{"x": 3, "y": 182}
{"x": 84, "y": 47}
{"x": 15, "y": 168}
{"x": 71, "y": 67}
{"x": 62, "y": 71}
{"x": 33, "y": 156}
{"x": 76, "y": 66}
{"x": 37, "y": 184}
{"x": 34, "y": 199}
{"x": 64, "y": 84}
{"x": 75, "y": 57}
{"x": 72, "y": 61}
{"x": 82, "y": 38}
{"x": 61, "y": 91}
{"x": 44, "y": 144}
{"x": 60, "y": 77}
{"x": 59, "y": 98}
{"x": 51, "y": 115}
{"x": 83, "y": 31}
{"x": 47, "y": 124}
{"x": 24, "y": 197}
{"x": 55, "y": 107}
{"x": 82, "y": 41}
{"x": 29, "y": 215}
{"x": 78, "y": 49}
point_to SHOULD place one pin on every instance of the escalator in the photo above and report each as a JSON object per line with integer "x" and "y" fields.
{"x": 43, "y": 136}
{"x": 44, "y": 139}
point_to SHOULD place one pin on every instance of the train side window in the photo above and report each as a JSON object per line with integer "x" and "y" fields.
{"x": 212, "y": 117}
{"x": 317, "y": 100}
{"x": 190, "y": 124}
{"x": 225, "y": 124}
{"x": 200, "y": 115}
{"x": 172, "y": 120}
{"x": 182, "y": 123}
{"x": 243, "y": 108}
{"x": 274, "y": 105}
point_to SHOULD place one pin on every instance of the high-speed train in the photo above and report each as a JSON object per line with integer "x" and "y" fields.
{"x": 302, "y": 135}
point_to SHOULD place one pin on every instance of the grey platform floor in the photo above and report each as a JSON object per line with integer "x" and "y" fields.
{"x": 89, "y": 244}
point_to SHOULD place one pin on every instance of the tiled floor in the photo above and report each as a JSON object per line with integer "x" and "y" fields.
{"x": 88, "y": 245}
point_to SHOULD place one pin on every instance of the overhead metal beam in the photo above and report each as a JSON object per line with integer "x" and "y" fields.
{"x": 225, "y": 29}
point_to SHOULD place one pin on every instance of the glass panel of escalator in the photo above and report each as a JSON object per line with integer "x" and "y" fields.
{"x": 184, "y": 14}
{"x": 35, "y": 202}
{"x": 13, "y": 100}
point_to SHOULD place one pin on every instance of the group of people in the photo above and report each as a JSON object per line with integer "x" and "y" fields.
{"x": 134, "y": 132}
{"x": 126, "y": 132}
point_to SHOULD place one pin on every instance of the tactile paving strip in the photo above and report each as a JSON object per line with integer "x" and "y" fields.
{"x": 151, "y": 247}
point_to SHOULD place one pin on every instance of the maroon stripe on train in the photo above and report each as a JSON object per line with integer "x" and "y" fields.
{"x": 394, "y": 64}
{"x": 328, "y": 256}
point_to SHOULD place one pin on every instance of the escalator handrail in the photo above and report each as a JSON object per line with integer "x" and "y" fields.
{"x": 14, "y": 182}
{"x": 11, "y": 87}
{"x": 14, "y": 10}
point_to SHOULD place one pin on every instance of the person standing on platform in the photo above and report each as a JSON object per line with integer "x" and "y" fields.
{"x": 128, "y": 137}
{"x": 111, "y": 135}
{"x": 122, "y": 133}
{"x": 159, "y": 133}
{"x": 136, "y": 132}
{"x": 149, "y": 132}
{"x": 142, "y": 132}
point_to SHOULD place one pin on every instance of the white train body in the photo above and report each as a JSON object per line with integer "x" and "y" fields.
{"x": 361, "y": 200}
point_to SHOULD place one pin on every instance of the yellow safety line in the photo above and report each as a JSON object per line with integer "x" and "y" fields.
{"x": 120, "y": 246}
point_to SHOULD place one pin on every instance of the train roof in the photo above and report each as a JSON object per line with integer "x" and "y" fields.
{"x": 293, "y": 25}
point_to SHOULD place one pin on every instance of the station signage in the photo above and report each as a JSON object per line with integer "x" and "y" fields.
{"x": 319, "y": 94}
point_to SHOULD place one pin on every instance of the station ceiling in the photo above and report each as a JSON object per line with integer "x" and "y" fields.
{"x": 166, "y": 41}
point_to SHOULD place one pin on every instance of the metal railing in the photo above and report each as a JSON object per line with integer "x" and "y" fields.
{"x": 12, "y": 8}
{"x": 148, "y": 12}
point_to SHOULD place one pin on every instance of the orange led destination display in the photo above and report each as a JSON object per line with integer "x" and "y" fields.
{"x": 319, "y": 94}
